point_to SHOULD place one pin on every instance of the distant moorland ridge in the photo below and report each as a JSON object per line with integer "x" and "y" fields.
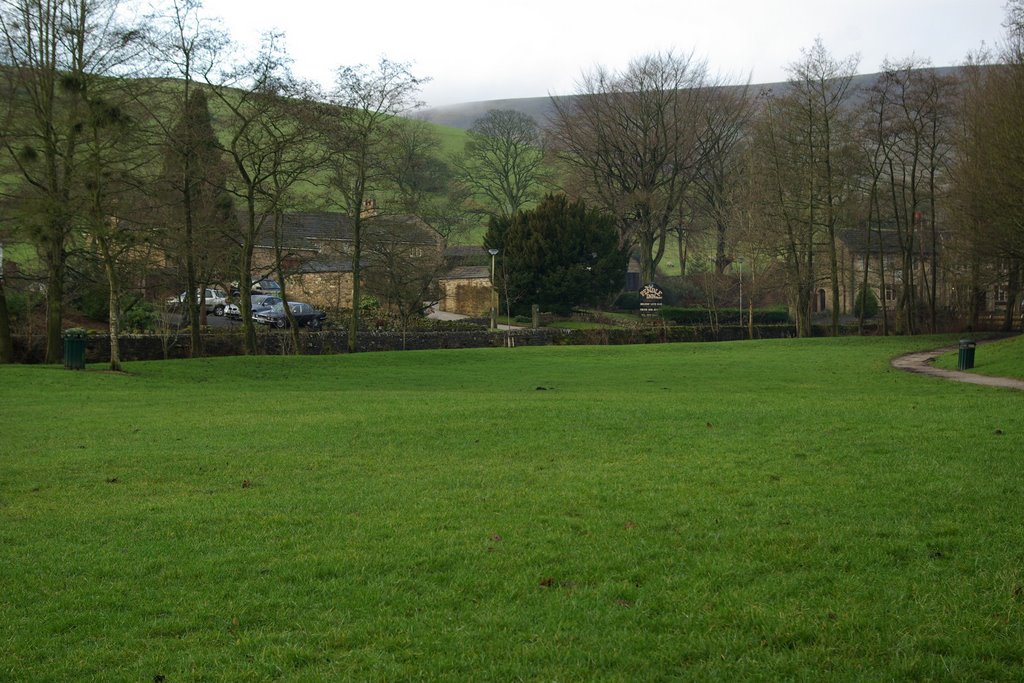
{"x": 540, "y": 108}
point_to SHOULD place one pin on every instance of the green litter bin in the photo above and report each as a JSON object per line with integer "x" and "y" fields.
{"x": 74, "y": 348}
{"x": 965, "y": 357}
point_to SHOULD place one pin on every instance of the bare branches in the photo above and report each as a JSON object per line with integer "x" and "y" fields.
{"x": 503, "y": 162}
{"x": 632, "y": 141}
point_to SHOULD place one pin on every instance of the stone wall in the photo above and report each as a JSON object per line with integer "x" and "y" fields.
{"x": 471, "y": 296}
{"x": 277, "y": 342}
{"x": 326, "y": 291}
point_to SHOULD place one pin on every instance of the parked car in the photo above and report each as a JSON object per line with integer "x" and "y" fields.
{"x": 263, "y": 285}
{"x": 260, "y": 302}
{"x": 304, "y": 314}
{"x": 215, "y": 301}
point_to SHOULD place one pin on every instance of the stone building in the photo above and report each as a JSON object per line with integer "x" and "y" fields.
{"x": 466, "y": 290}
{"x": 318, "y": 248}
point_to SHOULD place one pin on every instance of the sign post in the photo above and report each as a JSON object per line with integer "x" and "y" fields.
{"x": 651, "y": 298}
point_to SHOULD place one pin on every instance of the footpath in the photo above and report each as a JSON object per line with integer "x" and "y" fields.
{"x": 921, "y": 363}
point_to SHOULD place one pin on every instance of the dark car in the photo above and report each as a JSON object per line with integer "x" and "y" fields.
{"x": 259, "y": 302}
{"x": 304, "y": 314}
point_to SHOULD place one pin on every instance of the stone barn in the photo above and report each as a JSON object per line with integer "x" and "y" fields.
{"x": 466, "y": 290}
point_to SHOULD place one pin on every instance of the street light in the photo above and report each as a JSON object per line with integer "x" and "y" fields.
{"x": 494, "y": 291}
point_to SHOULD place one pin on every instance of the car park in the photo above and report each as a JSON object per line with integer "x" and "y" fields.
{"x": 259, "y": 302}
{"x": 215, "y": 301}
{"x": 304, "y": 315}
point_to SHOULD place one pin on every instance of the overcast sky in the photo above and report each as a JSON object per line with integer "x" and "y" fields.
{"x": 485, "y": 50}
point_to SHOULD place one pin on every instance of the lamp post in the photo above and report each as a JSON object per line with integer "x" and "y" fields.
{"x": 494, "y": 291}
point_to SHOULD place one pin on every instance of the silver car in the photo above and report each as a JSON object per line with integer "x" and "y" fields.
{"x": 215, "y": 301}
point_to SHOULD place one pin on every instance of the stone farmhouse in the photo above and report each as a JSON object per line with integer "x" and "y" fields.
{"x": 882, "y": 256}
{"x": 318, "y": 248}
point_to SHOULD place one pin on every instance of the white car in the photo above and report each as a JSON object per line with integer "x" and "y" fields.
{"x": 215, "y": 301}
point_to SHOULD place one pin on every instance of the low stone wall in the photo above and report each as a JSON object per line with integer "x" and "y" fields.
{"x": 274, "y": 342}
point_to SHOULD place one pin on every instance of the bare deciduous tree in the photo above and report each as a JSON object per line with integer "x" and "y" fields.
{"x": 362, "y": 136}
{"x": 273, "y": 145}
{"x": 503, "y": 162}
{"x": 55, "y": 53}
{"x": 632, "y": 142}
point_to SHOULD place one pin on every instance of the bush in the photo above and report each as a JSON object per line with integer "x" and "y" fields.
{"x": 866, "y": 303}
{"x": 142, "y": 317}
{"x": 628, "y": 301}
{"x": 690, "y": 315}
{"x": 18, "y": 306}
{"x": 697, "y": 315}
{"x": 93, "y": 302}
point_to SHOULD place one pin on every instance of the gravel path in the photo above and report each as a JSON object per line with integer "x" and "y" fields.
{"x": 922, "y": 363}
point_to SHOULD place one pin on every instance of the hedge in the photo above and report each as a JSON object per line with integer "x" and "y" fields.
{"x": 697, "y": 315}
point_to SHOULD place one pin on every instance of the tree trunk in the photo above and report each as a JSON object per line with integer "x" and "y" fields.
{"x": 115, "y": 317}
{"x": 245, "y": 278}
{"x": 833, "y": 263}
{"x": 684, "y": 248}
{"x": 114, "y": 306}
{"x": 293, "y": 329}
{"x": 357, "y": 253}
{"x": 55, "y": 306}
{"x": 6, "y": 343}
{"x": 1012, "y": 295}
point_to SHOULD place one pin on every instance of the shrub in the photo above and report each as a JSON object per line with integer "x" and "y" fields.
{"x": 690, "y": 315}
{"x": 628, "y": 301}
{"x": 697, "y": 315}
{"x": 93, "y": 302}
{"x": 866, "y": 303}
{"x": 142, "y": 317}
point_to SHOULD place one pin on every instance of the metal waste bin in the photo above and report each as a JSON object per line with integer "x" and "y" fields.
{"x": 965, "y": 357}
{"x": 74, "y": 348}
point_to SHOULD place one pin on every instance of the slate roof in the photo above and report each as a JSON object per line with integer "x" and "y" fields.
{"x": 469, "y": 273}
{"x": 856, "y": 239}
{"x": 309, "y": 229}
{"x": 327, "y": 265}
{"x": 467, "y": 255}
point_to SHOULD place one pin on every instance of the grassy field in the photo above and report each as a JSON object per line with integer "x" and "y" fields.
{"x": 1003, "y": 358}
{"x": 762, "y": 510}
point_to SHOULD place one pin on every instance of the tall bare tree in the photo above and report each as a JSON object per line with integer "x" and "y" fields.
{"x": 807, "y": 139}
{"x": 723, "y": 134}
{"x": 503, "y": 162}
{"x": 821, "y": 86}
{"x": 990, "y": 167}
{"x": 425, "y": 185}
{"x": 56, "y": 53}
{"x": 115, "y": 157}
{"x": 911, "y": 107}
{"x": 362, "y": 140}
{"x": 273, "y": 144}
{"x": 632, "y": 142}
{"x": 188, "y": 48}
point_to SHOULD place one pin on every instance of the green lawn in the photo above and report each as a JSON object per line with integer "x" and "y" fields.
{"x": 759, "y": 510}
{"x": 1004, "y": 358}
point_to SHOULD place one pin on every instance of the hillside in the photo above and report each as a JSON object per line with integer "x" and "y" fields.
{"x": 541, "y": 108}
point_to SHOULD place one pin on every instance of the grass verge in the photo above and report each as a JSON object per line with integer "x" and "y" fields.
{"x": 1003, "y": 358}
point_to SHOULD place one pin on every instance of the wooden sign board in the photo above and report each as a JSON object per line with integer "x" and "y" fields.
{"x": 651, "y": 297}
